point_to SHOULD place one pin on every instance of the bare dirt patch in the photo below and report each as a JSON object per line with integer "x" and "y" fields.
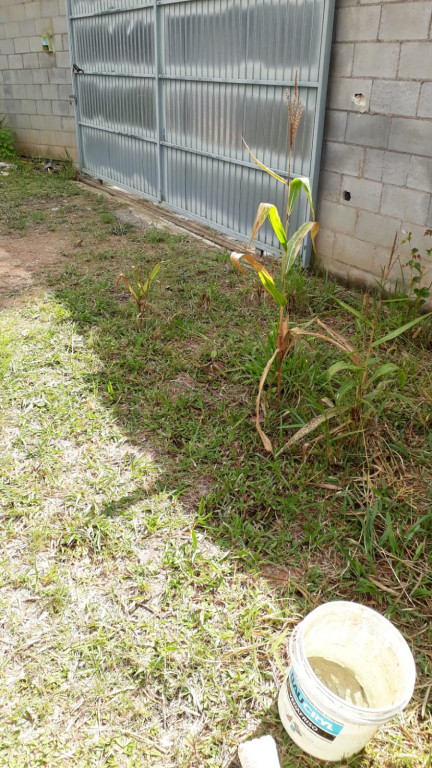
{"x": 25, "y": 260}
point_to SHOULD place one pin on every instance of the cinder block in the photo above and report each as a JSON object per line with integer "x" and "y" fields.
{"x": 44, "y": 107}
{"x": 373, "y": 165}
{"x": 28, "y": 106}
{"x": 339, "y": 218}
{"x": 65, "y": 42}
{"x": 15, "y": 91}
{"x": 12, "y": 106}
{"x": 364, "y": 194}
{"x": 343, "y": 158}
{"x": 33, "y": 10}
{"x": 377, "y": 229}
{"x": 12, "y": 30}
{"x": 60, "y": 76}
{"x": 324, "y": 243}
{"x": 30, "y": 60}
{"x": 36, "y": 122}
{"x": 35, "y": 43}
{"x": 46, "y": 60}
{"x": 59, "y": 25}
{"x": 68, "y": 124}
{"x": 335, "y": 125}
{"x": 58, "y": 43}
{"x": 329, "y": 186}
{"x": 398, "y": 22}
{"x": 49, "y": 92}
{"x": 413, "y": 135}
{"x": 357, "y": 23}
{"x": 15, "y": 61}
{"x": 10, "y": 76}
{"x": 16, "y": 12}
{"x": 21, "y": 45}
{"x": 420, "y": 173}
{"x": 415, "y": 60}
{"x": 40, "y": 75}
{"x": 395, "y": 168}
{"x": 12, "y": 120}
{"x": 341, "y": 59}
{"x": 44, "y": 123}
{"x": 425, "y": 103}
{"x": 50, "y": 8}
{"x": 368, "y": 130}
{"x": 407, "y": 203}
{"x": 63, "y": 108}
{"x": 42, "y": 26}
{"x": 63, "y": 59}
{"x": 7, "y": 47}
{"x": 3, "y": 62}
{"x": 33, "y": 91}
{"x": 23, "y": 121}
{"x": 24, "y": 76}
{"x": 357, "y": 253}
{"x": 344, "y": 90}
{"x": 395, "y": 98}
{"x": 371, "y": 59}
{"x": 26, "y": 28}
{"x": 65, "y": 92}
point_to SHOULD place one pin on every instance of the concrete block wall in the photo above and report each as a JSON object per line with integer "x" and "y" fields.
{"x": 35, "y": 86}
{"x": 376, "y": 176}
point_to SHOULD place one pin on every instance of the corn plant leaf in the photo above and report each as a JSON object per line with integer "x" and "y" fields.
{"x": 263, "y": 275}
{"x": 265, "y": 440}
{"x": 268, "y": 210}
{"x": 341, "y": 365}
{"x": 296, "y": 185}
{"x": 154, "y": 272}
{"x": 354, "y": 312}
{"x": 128, "y": 285}
{"x": 296, "y": 240}
{"x": 394, "y": 334}
{"x": 264, "y": 167}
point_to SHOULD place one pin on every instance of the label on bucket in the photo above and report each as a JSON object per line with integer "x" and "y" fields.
{"x": 310, "y": 716}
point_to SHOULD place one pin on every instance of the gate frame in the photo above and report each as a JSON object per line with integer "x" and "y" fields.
{"x": 318, "y": 133}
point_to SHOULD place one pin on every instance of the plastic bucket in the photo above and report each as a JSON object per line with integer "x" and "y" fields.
{"x": 376, "y": 679}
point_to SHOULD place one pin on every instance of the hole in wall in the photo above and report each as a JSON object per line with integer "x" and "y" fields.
{"x": 346, "y": 195}
{"x": 359, "y": 100}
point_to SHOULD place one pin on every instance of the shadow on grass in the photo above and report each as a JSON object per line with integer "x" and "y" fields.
{"x": 185, "y": 385}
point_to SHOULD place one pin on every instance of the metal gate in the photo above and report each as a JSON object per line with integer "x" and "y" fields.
{"x": 165, "y": 90}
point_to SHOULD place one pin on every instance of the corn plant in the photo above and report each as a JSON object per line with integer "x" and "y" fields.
{"x": 287, "y": 335}
{"x": 139, "y": 289}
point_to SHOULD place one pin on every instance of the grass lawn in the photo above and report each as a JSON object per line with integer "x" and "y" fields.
{"x": 154, "y": 559}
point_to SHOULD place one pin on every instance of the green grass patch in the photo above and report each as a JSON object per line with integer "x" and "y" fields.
{"x": 154, "y": 557}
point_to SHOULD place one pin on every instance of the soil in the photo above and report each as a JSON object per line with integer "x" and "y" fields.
{"x": 24, "y": 261}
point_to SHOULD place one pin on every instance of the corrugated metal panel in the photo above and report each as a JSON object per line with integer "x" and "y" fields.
{"x": 170, "y": 87}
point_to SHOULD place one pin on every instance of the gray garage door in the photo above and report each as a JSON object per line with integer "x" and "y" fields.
{"x": 165, "y": 91}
